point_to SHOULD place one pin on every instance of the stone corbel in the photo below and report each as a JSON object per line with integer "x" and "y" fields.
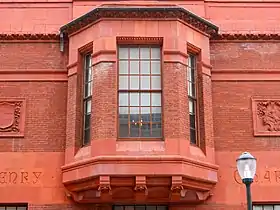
{"x": 104, "y": 187}
{"x": 203, "y": 196}
{"x": 177, "y": 188}
{"x": 141, "y": 190}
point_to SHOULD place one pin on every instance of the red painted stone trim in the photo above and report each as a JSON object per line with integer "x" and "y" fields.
{"x": 266, "y": 114}
{"x": 12, "y": 117}
{"x": 29, "y": 37}
{"x": 244, "y": 37}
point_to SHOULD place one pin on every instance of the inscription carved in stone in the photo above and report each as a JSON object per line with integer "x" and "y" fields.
{"x": 266, "y": 116}
{"x": 11, "y": 117}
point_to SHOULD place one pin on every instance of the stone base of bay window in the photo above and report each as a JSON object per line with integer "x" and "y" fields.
{"x": 126, "y": 179}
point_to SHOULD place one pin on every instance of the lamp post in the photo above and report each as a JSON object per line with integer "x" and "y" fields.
{"x": 246, "y": 166}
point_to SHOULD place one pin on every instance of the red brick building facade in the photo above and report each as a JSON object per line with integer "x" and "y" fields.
{"x": 138, "y": 105}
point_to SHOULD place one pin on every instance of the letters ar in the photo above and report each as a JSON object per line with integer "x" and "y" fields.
{"x": 12, "y": 177}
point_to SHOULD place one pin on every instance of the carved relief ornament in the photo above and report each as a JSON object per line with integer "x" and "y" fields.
{"x": 11, "y": 117}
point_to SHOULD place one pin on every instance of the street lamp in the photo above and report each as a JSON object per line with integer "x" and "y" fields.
{"x": 246, "y": 166}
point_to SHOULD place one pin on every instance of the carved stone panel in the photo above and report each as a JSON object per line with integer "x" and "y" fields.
{"x": 12, "y": 116}
{"x": 266, "y": 116}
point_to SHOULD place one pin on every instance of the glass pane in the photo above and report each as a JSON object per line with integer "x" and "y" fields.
{"x": 134, "y": 130}
{"x": 88, "y": 74}
{"x": 88, "y": 106}
{"x": 134, "y": 114}
{"x": 156, "y": 114}
{"x": 88, "y": 89}
{"x": 156, "y": 99}
{"x": 191, "y": 106}
{"x": 134, "y": 53}
{"x": 123, "y": 82}
{"x": 145, "y": 53}
{"x": 192, "y": 61}
{"x": 162, "y": 208}
{"x": 151, "y": 207}
{"x": 277, "y": 207}
{"x": 268, "y": 207}
{"x": 123, "y": 122}
{"x": 123, "y": 67}
{"x": 155, "y": 65}
{"x": 11, "y": 208}
{"x": 134, "y": 99}
{"x": 156, "y": 83}
{"x": 192, "y": 75}
{"x": 123, "y": 129}
{"x": 145, "y": 130}
{"x": 134, "y": 83}
{"x": 145, "y": 114}
{"x": 88, "y": 61}
{"x": 145, "y": 67}
{"x": 192, "y": 136}
{"x": 140, "y": 207}
{"x": 21, "y": 208}
{"x": 118, "y": 208}
{"x": 2, "y": 208}
{"x": 129, "y": 207}
{"x": 156, "y": 130}
{"x": 123, "y": 112}
{"x": 87, "y": 136}
{"x": 192, "y": 121}
{"x": 145, "y": 82}
{"x": 257, "y": 208}
{"x": 134, "y": 67}
{"x": 155, "y": 53}
{"x": 123, "y": 99}
{"x": 123, "y": 53}
{"x": 145, "y": 99}
{"x": 87, "y": 121}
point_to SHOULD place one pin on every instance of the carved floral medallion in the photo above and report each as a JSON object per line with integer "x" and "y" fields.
{"x": 266, "y": 114}
{"x": 11, "y": 117}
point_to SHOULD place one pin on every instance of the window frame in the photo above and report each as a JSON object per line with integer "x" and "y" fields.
{"x": 138, "y": 45}
{"x": 196, "y": 52}
{"x": 84, "y": 98}
{"x": 17, "y": 206}
{"x": 262, "y": 205}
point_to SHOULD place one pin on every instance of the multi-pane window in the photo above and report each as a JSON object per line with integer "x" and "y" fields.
{"x": 266, "y": 207}
{"x": 192, "y": 93}
{"x": 139, "y": 91}
{"x": 87, "y": 93}
{"x": 140, "y": 207}
{"x": 12, "y": 207}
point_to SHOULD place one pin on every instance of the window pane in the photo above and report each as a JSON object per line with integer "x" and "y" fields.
{"x": 192, "y": 121}
{"x": 118, "y": 208}
{"x": 123, "y": 82}
{"x": 145, "y": 53}
{"x": 151, "y": 208}
{"x": 145, "y": 99}
{"x": 123, "y": 53}
{"x": 129, "y": 207}
{"x": 193, "y": 136}
{"x": 2, "y": 208}
{"x": 87, "y": 121}
{"x": 145, "y": 67}
{"x": 257, "y": 208}
{"x": 156, "y": 114}
{"x": 134, "y": 53}
{"x": 268, "y": 207}
{"x": 87, "y": 136}
{"x": 145, "y": 130}
{"x": 156, "y": 99}
{"x": 191, "y": 106}
{"x": 134, "y": 130}
{"x": 88, "y": 106}
{"x": 123, "y": 99}
{"x": 277, "y": 207}
{"x": 134, "y": 67}
{"x": 123, "y": 67}
{"x": 192, "y": 61}
{"x": 155, "y": 65}
{"x": 134, "y": 114}
{"x": 145, "y": 114}
{"x": 88, "y": 74}
{"x": 21, "y": 208}
{"x": 161, "y": 208}
{"x": 156, "y": 83}
{"x": 134, "y": 83}
{"x": 11, "y": 208}
{"x": 134, "y": 99}
{"x": 140, "y": 207}
{"x": 145, "y": 82}
{"x": 123, "y": 111}
{"x": 88, "y": 89}
{"x": 155, "y": 53}
{"x": 123, "y": 122}
{"x": 156, "y": 130}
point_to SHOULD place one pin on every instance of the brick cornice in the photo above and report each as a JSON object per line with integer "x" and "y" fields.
{"x": 140, "y": 12}
{"x": 15, "y": 37}
{"x": 244, "y": 37}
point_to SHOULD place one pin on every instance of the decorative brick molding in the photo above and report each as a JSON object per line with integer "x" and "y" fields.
{"x": 29, "y": 37}
{"x": 266, "y": 116}
{"x": 139, "y": 12}
{"x": 12, "y": 116}
{"x": 244, "y": 37}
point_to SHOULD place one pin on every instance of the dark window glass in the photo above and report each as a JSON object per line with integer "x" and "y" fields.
{"x": 87, "y": 93}
{"x": 140, "y": 207}
{"x": 192, "y": 92}
{"x": 139, "y": 91}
